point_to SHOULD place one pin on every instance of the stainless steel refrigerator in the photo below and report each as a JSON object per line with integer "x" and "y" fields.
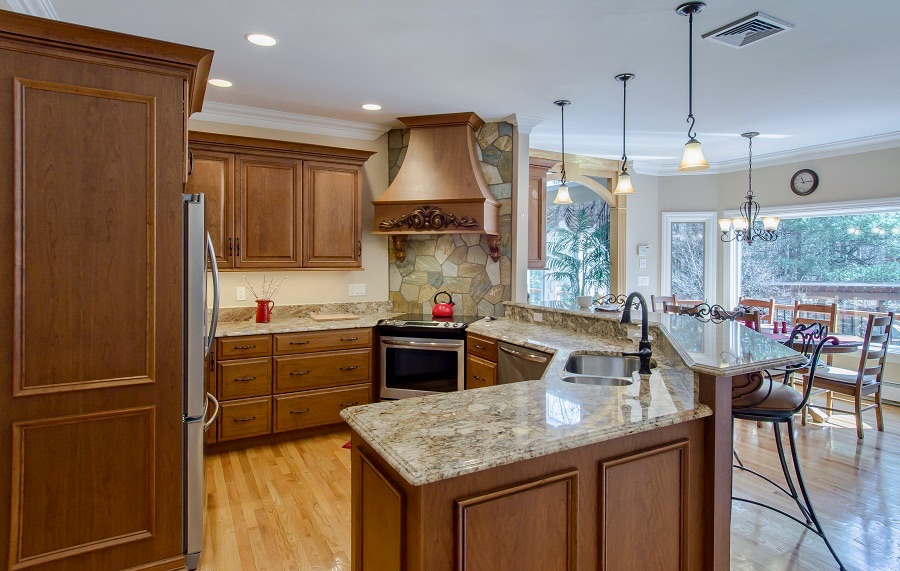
{"x": 199, "y": 335}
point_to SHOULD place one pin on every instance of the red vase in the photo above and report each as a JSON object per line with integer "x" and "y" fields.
{"x": 264, "y": 310}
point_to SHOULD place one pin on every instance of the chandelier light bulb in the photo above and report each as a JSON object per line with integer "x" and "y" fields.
{"x": 740, "y": 224}
{"x": 770, "y": 223}
{"x": 724, "y": 224}
{"x": 562, "y": 195}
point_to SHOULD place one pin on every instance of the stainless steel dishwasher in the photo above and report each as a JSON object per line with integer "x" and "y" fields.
{"x": 516, "y": 363}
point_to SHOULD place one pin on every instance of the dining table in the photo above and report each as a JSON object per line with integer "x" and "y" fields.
{"x": 845, "y": 344}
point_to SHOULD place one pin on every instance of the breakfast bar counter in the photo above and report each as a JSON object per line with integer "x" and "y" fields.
{"x": 548, "y": 474}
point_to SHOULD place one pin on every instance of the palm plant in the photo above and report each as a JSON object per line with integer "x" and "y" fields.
{"x": 578, "y": 254}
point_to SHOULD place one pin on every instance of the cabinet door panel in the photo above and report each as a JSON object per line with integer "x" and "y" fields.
{"x": 331, "y": 217}
{"x": 537, "y": 217}
{"x": 268, "y": 213}
{"x": 213, "y": 176}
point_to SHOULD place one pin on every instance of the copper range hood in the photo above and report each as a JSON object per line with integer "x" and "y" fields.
{"x": 440, "y": 188}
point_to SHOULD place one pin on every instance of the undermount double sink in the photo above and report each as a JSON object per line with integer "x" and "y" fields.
{"x": 607, "y": 370}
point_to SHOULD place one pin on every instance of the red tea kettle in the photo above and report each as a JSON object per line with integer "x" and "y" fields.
{"x": 442, "y": 309}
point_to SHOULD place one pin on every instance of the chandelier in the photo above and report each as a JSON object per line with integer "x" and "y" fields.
{"x": 748, "y": 226}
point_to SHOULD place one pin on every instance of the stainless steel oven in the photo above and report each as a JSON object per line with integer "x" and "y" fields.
{"x": 421, "y": 356}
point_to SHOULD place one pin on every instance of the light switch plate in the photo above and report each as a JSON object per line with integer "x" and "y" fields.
{"x": 643, "y": 280}
{"x": 643, "y": 250}
{"x": 642, "y": 263}
{"x": 241, "y": 293}
{"x": 357, "y": 290}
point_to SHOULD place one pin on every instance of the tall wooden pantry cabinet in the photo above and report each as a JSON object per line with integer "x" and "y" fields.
{"x": 93, "y": 143}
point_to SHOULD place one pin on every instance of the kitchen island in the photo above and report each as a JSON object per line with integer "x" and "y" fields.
{"x": 553, "y": 475}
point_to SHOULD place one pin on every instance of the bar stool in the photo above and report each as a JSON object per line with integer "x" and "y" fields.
{"x": 777, "y": 402}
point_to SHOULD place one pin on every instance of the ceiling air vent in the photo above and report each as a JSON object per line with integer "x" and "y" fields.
{"x": 747, "y": 30}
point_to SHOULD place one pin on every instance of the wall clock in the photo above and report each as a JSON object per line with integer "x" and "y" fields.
{"x": 804, "y": 182}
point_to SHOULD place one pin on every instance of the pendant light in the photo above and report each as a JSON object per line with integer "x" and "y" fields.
{"x": 562, "y": 193}
{"x": 745, "y": 228}
{"x": 693, "y": 155}
{"x": 624, "y": 185}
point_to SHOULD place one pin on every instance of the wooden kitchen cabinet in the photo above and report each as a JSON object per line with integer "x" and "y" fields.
{"x": 537, "y": 216}
{"x": 279, "y": 205}
{"x": 480, "y": 373}
{"x": 92, "y": 170}
{"x": 212, "y": 175}
{"x": 268, "y": 384}
{"x": 268, "y": 206}
{"x": 332, "y": 220}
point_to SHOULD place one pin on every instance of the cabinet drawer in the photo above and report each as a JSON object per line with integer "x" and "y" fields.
{"x": 241, "y": 347}
{"x": 244, "y": 378}
{"x": 243, "y": 418}
{"x": 317, "y": 408}
{"x": 312, "y": 341}
{"x": 335, "y": 368}
{"x": 480, "y": 373}
{"x": 481, "y": 347}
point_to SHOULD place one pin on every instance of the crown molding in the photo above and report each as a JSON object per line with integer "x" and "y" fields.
{"x": 824, "y": 151}
{"x": 284, "y": 121}
{"x": 41, "y": 8}
{"x": 524, "y": 123}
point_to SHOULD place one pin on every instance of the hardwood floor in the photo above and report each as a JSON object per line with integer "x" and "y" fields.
{"x": 287, "y": 506}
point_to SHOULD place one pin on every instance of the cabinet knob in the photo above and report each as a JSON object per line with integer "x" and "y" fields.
{"x": 349, "y": 338}
{"x": 349, "y": 368}
{"x": 477, "y": 346}
{"x": 245, "y": 419}
{"x": 301, "y": 411}
{"x": 477, "y": 378}
{"x": 246, "y": 347}
{"x": 298, "y": 343}
{"x": 243, "y": 379}
{"x": 299, "y": 373}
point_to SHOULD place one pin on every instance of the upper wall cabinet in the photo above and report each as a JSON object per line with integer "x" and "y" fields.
{"x": 273, "y": 204}
{"x": 537, "y": 214}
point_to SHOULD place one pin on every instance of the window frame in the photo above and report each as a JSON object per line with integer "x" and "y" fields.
{"x": 709, "y": 219}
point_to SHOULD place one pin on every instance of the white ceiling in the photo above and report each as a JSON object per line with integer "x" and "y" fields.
{"x": 834, "y": 78}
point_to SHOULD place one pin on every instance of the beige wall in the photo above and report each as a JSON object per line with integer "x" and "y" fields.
{"x": 305, "y": 286}
{"x": 642, "y": 226}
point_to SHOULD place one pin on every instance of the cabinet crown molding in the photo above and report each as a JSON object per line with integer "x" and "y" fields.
{"x": 234, "y": 143}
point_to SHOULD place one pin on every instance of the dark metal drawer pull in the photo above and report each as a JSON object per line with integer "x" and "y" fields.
{"x": 246, "y": 347}
{"x": 243, "y": 379}
{"x": 477, "y": 346}
{"x": 299, "y": 411}
{"x": 298, "y": 373}
{"x": 299, "y": 343}
{"x": 477, "y": 378}
{"x": 245, "y": 419}
{"x": 349, "y": 338}
{"x": 349, "y": 368}
{"x": 346, "y": 404}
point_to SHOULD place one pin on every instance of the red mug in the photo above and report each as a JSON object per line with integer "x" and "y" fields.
{"x": 264, "y": 310}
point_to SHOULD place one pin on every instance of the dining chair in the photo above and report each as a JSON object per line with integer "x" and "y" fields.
{"x": 752, "y": 320}
{"x": 662, "y": 300}
{"x": 767, "y": 308}
{"x": 765, "y": 399}
{"x": 689, "y": 302}
{"x": 866, "y": 380}
{"x": 809, "y": 313}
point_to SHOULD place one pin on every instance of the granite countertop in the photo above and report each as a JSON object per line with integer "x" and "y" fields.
{"x": 294, "y": 325}
{"x": 428, "y": 439}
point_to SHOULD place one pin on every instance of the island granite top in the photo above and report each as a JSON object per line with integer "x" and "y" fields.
{"x": 432, "y": 438}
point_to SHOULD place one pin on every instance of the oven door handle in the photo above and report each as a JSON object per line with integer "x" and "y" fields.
{"x": 456, "y": 345}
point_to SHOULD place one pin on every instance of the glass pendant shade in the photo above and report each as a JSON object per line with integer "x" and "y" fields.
{"x": 562, "y": 195}
{"x": 740, "y": 224}
{"x": 624, "y": 186}
{"x": 770, "y": 223}
{"x": 693, "y": 159}
{"x": 724, "y": 224}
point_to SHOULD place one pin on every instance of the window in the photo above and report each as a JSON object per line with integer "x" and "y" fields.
{"x": 689, "y": 255}
{"x": 577, "y": 249}
{"x": 852, "y": 260}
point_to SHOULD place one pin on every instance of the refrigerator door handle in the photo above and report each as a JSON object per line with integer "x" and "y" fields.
{"x": 215, "y": 413}
{"x": 214, "y": 321}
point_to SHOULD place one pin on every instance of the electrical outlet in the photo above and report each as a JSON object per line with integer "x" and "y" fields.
{"x": 538, "y": 317}
{"x": 642, "y": 263}
{"x": 643, "y": 280}
{"x": 357, "y": 290}
{"x": 241, "y": 293}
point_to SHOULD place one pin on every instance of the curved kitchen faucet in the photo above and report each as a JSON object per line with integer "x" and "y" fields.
{"x": 644, "y": 352}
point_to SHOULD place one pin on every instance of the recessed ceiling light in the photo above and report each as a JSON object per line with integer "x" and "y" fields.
{"x": 371, "y": 107}
{"x": 261, "y": 39}
{"x": 220, "y": 82}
